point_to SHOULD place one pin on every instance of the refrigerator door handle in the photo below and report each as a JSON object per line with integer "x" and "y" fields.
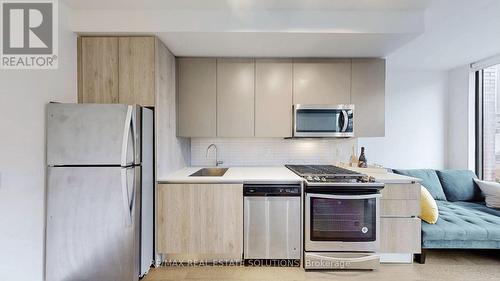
{"x": 126, "y": 134}
{"x": 125, "y": 198}
{"x": 134, "y": 132}
{"x": 132, "y": 200}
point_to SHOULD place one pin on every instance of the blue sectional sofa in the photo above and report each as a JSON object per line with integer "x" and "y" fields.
{"x": 464, "y": 220}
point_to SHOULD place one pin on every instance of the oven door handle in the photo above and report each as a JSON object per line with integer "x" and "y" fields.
{"x": 351, "y": 197}
{"x": 361, "y": 259}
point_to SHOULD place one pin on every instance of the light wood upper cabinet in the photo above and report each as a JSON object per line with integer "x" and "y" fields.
{"x": 235, "y": 97}
{"x": 273, "y": 98}
{"x": 98, "y": 70}
{"x": 322, "y": 81}
{"x": 368, "y": 97}
{"x": 137, "y": 70}
{"x": 117, "y": 70}
{"x": 197, "y": 97}
{"x": 200, "y": 221}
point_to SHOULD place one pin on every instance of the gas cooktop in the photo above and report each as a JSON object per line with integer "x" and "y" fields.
{"x": 329, "y": 174}
{"x": 304, "y": 170}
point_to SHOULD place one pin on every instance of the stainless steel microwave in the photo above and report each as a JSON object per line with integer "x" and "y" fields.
{"x": 323, "y": 121}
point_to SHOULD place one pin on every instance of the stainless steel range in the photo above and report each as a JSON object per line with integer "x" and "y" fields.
{"x": 341, "y": 218}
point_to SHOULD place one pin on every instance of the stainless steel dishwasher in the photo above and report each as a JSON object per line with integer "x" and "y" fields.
{"x": 271, "y": 221}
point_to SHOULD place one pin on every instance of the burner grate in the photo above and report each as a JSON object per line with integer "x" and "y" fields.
{"x": 320, "y": 170}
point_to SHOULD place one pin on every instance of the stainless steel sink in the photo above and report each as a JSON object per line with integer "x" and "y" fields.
{"x": 209, "y": 172}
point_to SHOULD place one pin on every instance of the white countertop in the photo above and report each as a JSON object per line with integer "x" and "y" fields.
{"x": 236, "y": 175}
{"x": 381, "y": 175}
{"x": 393, "y": 178}
{"x": 268, "y": 174}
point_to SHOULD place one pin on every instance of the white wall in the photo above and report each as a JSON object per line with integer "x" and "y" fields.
{"x": 23, "y": 95}
{"x": 415, "y": 119}
{"x": 461, "y": 119}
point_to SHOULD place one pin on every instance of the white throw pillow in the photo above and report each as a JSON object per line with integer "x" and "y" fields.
{"x": 491, "y": 191}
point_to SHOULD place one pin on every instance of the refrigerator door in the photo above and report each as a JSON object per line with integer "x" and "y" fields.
{"x": 88, "y": 234}
{"x": 136, "y": 211}
{"x": 92, "y": 134}
{"x": 147, "y": 193}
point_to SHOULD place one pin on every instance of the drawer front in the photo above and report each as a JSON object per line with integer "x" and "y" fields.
{"x": 400, "y": 235}
{"x": 410, "y": 191}
{"x": 399, "y": 208}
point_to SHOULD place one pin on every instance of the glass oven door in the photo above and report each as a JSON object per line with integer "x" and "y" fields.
{"x": 342, "y": 220}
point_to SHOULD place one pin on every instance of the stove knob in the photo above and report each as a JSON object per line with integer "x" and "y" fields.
{"x": 371, "y": 179}
{"x": 316, "y": 178}
{"x": 323, "y": 179}
{"x": 309, "y": 178}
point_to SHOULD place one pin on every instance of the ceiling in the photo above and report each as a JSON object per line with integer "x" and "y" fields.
{"x": 418, "y": 34}
{"x": 269, "y": 44}
{"x": 458, "y": 32}
{"x": 249, "y": 4}
{"x": 262, "y": 28}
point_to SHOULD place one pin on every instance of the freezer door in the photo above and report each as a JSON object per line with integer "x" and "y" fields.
{"x": 147, "y": 193}
{"x": 92, "y": 134}
{"x": 89, "y": 236}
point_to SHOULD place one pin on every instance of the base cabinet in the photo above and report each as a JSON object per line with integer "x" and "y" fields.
{"x": 400, "y": 231}
{"x": 400, "y": 235}
{"x": 200, "y": 222}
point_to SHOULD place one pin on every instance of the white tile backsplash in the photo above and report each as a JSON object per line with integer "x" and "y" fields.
{"x": 271, "y": 151}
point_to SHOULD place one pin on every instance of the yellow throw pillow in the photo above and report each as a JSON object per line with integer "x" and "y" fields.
{"x": 428, "y": 207}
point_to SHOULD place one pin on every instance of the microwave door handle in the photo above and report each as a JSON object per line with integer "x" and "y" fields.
{"x": 346, "y": 120}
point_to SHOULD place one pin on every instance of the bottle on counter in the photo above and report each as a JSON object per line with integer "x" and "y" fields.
{"x": 353, "y": 162}
{"x": 362, "y": 163}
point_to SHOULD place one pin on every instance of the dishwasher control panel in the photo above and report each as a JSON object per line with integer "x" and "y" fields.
{"x": 271, "y": 190}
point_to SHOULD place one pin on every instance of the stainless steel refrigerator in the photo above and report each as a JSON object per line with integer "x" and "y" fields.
{"x": 99, "y": 224}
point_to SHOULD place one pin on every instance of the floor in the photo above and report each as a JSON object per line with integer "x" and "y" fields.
{"x": 440, "y": 265}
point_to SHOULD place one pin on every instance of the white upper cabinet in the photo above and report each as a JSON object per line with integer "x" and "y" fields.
{"x": 235, "y": 97}
{"x": 322, "y": 81}
{"x": 197, "y": 97}
{"x": 368, "y": 97}
{"x": 273, "y": 98}
{"x": 246, "y": 97}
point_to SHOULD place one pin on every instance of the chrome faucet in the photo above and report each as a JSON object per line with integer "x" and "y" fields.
{"x": 217, "y": 162}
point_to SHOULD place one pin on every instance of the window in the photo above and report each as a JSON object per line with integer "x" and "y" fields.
{"x": 488, "y": 123}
